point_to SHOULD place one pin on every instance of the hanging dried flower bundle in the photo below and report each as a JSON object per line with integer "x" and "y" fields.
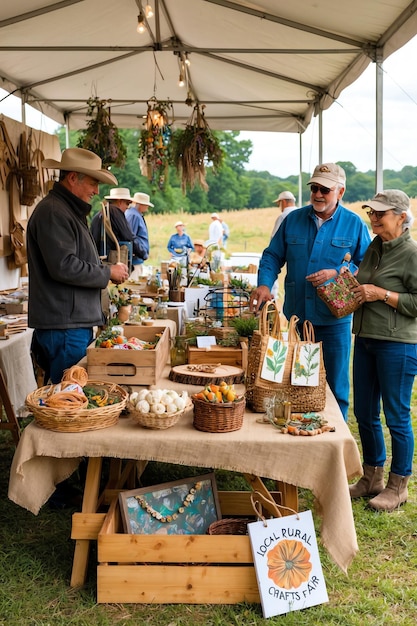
{"x": 154, "y": 142}
{"x": 194, "y": 148}
{"x": 102, "y": 136}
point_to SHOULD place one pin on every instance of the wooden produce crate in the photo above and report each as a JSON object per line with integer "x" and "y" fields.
{"x": 189, "y": 569}
{"x": 220, "y": 354}
{"x": 131, "y": 367}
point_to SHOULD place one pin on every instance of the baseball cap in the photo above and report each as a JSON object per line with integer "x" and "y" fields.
{"x": 328, "y": 175}
{"x": 285, "y": 195}
{"x": 389, "y": 199}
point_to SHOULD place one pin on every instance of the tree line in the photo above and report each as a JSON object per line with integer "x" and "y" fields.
{"x": 234, "y": 187}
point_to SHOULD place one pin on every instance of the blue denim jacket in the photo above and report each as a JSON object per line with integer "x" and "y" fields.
{"x": 306, "y": 250}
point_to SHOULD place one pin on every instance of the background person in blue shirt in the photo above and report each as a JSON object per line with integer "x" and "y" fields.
{"x": 180, "y": 244}
{"x": 313, "y": 242}
{"x": 135, "y": 216}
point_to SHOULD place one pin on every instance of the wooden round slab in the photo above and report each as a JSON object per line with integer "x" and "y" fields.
{"x": 229, "y": 373}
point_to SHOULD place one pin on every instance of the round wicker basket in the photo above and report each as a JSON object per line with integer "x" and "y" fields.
{"x": 80, "y": 419}
{"x": 229, "y": 526}
{"x": 212, "y": 417}
{"x": 156, "y": 421}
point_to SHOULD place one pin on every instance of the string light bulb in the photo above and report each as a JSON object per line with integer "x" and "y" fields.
{"x": 187, "y": 60}
{"x": 181, "y": 80}
{"x": 140, "y": 28}
{"x": 148, "y": 11}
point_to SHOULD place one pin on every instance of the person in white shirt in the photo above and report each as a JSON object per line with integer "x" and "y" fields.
{"x": 215, "y": 230}
{"x": 285, "y": 202}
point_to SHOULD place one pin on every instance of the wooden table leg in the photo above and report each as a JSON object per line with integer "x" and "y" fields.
{"x": 90, "y": 499}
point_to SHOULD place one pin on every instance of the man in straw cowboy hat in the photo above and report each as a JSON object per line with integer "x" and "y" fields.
{"x": 135, "y": 216}
{"x": 65, "y": 273}
{"x": 119, "y": 202}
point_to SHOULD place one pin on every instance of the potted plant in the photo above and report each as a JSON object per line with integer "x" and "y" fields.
{"x": 102, "y": 136}
{"x": 245, "y": 325}
{"x": 193, "y": 148}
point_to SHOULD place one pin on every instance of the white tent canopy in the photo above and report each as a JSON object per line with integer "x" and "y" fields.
{"x": 264, "y": 65}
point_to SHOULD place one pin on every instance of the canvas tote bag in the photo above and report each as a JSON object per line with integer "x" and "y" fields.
{"x": 276, "y": 369}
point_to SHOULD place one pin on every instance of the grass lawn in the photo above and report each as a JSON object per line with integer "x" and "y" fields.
{"x": 36, "y": 551}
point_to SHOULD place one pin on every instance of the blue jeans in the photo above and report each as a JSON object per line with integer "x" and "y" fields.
{"x": 385, "y": 370}
{"x": 337, "y": 342}
{"x": 61, "y": 349}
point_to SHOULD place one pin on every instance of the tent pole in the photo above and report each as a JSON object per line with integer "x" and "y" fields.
{"x": 379, "y": 93}
{"x": 320, "y": 136}
{"x": 300, "y": 178}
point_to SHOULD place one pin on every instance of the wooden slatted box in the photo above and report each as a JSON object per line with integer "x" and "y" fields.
{"x": 131, "y": 367}
{"x": 190, "y": 569}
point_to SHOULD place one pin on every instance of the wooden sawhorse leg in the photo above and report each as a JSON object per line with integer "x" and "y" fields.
{"x": 90, "y": 500}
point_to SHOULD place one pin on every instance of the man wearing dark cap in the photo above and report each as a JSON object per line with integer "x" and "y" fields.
{"x": 314, "y": 242}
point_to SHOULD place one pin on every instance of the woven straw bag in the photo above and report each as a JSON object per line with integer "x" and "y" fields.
{"x": 337, "y": 294}
{"x": 303, "y": 398}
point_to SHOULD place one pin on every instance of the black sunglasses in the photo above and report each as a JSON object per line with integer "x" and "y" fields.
{"x": 323, "y": 190}
{"x": 378, "y": 214}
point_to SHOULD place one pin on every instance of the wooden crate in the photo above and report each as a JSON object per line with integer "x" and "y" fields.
{"x": 131, "y": 367}
{"x": 189, "y": 569}
{"x": 220, "y": 354}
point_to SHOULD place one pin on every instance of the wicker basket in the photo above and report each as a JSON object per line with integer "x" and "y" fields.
{"x": 156, "y": 421}
{"x": 229, "y": 527}
{"x": 77, "y": 420}
{"x": 211, "y": 417}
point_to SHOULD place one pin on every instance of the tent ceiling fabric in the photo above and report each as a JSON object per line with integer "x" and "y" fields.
{"x": 264, "y": 65}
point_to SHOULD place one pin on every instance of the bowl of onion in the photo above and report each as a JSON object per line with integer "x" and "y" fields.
{"x": 158, "y": 408}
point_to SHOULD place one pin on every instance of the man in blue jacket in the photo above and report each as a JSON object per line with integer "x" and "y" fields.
{"x": 314, "y": 242}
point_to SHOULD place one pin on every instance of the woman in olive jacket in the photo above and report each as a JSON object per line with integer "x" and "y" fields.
{"x": 385, "y": 353}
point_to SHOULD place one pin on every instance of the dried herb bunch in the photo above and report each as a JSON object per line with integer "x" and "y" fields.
{"x": 102, "y": 136}
{"x": 154, "y": 142}
{"x": 193, "y": 148}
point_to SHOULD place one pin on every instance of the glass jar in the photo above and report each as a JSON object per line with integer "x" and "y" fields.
{"x": 178, "y": 351}
{"x": 161, "y": 311}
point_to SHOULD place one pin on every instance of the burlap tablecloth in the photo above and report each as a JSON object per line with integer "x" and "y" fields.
{"x": 17, "y": 366}
{"x": 322, "y": 464}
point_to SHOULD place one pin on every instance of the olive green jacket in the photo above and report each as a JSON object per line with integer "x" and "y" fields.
{"x": 391, "y": 265}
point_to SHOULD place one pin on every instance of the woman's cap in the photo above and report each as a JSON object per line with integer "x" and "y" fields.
{"x": 389, "y": 199}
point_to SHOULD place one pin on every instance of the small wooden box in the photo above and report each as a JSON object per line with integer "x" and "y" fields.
{"x": 131, "y": 367}
{"x": 220, "y": 354}
{"x": 15, "y": 308}
{"x": 189, "y": 569}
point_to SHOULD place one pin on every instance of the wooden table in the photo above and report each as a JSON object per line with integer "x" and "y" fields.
{"x": 322, "y": 464}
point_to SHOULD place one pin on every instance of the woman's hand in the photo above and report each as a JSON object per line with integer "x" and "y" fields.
{"x": 368, "y": 293}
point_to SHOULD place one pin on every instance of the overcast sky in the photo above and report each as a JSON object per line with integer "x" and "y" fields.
{"x": 348, "y": 126}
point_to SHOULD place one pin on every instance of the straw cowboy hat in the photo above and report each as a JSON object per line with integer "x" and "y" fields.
{"x": 83, "y": 162}
{"x": 142, "y": 198}
{"x": 119, "y": 193}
